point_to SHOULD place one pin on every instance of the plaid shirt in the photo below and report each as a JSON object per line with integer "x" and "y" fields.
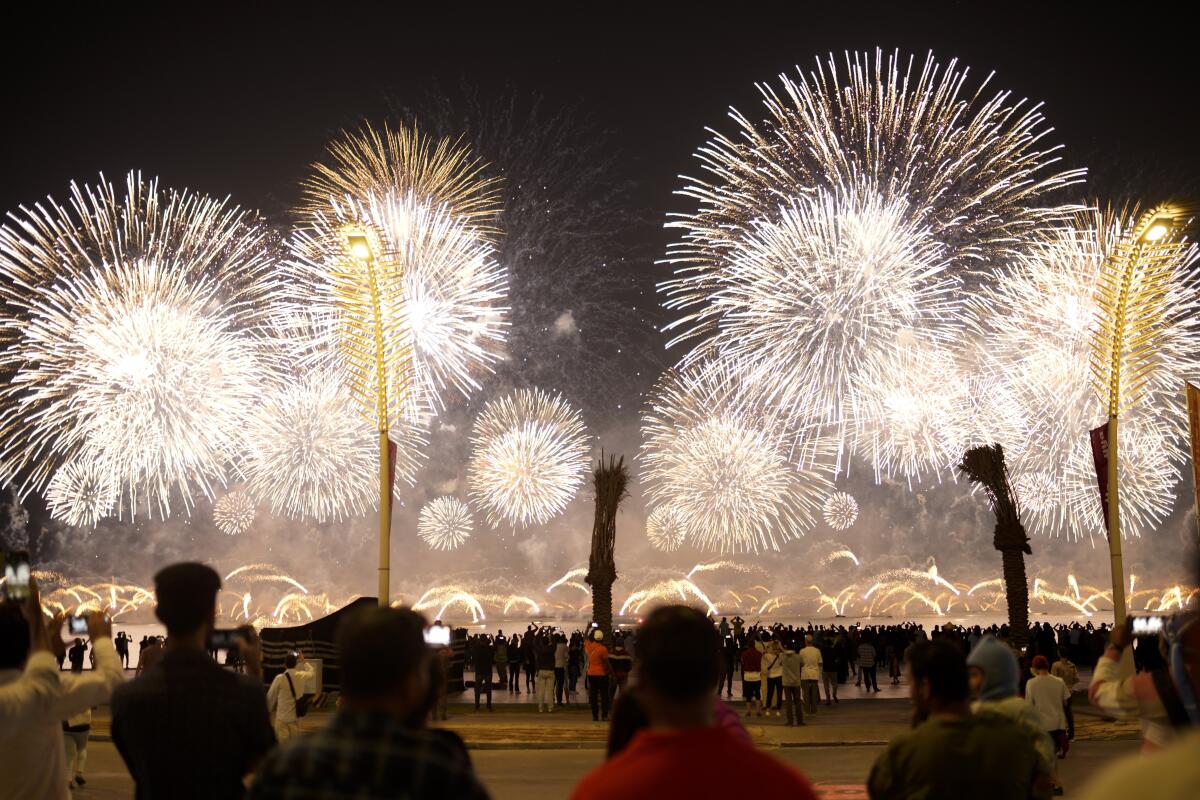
{"x": 363, "y": 755}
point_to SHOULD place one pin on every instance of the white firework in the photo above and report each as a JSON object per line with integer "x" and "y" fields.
{"x": 727, "y": 469}
{"x": 312, "y": 454}
{"x": 665, "y": 529}
{"x": 840, "y": 511}
{"x": 125, "y": 319}
{"x": 234, "y": 512}
{"x": 1039, "y": 320}
{"x": 529, "y": 455}
{"x": 448, "y": 308}
{"x": 840, "y": 279}
{"x": 81, "y": 493}
{"x": 972, "y": 170}
{"x": 908, "y": 413}
{"x": 444, "y": 523}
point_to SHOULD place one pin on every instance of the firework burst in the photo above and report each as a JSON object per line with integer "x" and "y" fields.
{"x": 838, "y": 232}
{"x": 444, "y": 298}
{"x": 81, "y": 493}
{"x": 972, "y": 169}
{"x": 840, "y": 511}
{"x": 125, "y": 319}
{"x": 839, "y": 280}
{"x": 529, "y": 456}
{"x": 726, "y": 469}
{"x": 444, "y": 523}
{"x": 234, "y": 511}
{"x": 1039, "y": 320}
{"x": 312, "y": 454}
{"x": 665, "y": 529}
{"x": 376, "y": 163}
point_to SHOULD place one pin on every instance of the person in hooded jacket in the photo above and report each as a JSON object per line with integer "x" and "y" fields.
{"x": 995, "y": 677}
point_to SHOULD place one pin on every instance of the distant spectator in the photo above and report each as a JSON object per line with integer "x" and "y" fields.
{"x": 1048, "y": 696}
{"x": 188, "y": 728}
{"x": 374, "y": 746}
{"x": 288, "y": 687}
{"x": 597, "y": 675}
{"x": 811, "y": 675}
{"x": 752, "y": 659}
{"x": 793, "y": 672}
{"x": 951, "y": 753}
{"x": 682, "y": 753}
{"x": 1066, "y": 670}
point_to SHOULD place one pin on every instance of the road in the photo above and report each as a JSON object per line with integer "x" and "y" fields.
{"x": 521, "y": 755}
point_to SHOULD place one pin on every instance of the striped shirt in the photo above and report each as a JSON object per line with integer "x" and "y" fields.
{"x": 364, "y": 754}
{"x": 866, "y": 655}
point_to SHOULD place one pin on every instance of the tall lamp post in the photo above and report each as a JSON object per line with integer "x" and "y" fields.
{"x": 370, "y": 299}
{"x": 1132, "y": 294}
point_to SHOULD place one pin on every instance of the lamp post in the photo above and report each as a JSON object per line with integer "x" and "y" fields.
{"x": 359, "y": 245}
{"x": 1132, "y": 286}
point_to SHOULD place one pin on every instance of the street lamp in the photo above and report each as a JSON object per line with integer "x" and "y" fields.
{"x": 1132, "y": 296}
{"x": 359, "y": 244}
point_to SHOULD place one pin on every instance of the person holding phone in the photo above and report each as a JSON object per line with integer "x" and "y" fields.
{"x": 33, "y": 754}
{"x": 286, "y": 689}
{"x": 218, "y": 727}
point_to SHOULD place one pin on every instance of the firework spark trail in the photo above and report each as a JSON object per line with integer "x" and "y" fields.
{"x": 713, "y": 566}
{"x": 313, "y": 455}
{"x": 529, "y": 456}
{"x": 234, "y": 511}
{"x": 676, "y": 590}
{"x": 1039, "y": 319}
{"x": 373, "y": 162}
{"x": 81, "y": 492}
{"x": 577, "y": 572}
{"x": 840, "y": 511}
{"x": 444, "y": 523}
{"x": 725, "y": 468}
{"x": 125, "y": 318}
{"x": 665, "y": 529}
{"x": 836, "y": 555}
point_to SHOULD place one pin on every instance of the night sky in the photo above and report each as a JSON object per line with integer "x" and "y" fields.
{"x": 227, "y": 100}
{"x": 239, "y": 101}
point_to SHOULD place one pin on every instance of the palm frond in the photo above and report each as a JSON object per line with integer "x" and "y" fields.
{"x": 1134, "y": 310}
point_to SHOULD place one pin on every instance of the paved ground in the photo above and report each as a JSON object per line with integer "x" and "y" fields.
{"x": 520, "y": 754}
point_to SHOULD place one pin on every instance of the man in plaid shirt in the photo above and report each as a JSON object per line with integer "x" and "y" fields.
{"x": 368, "y": 749}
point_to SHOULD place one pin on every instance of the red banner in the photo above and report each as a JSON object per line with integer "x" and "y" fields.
{"x": 391, "y": 473}
{"x": 1100, "y": 457}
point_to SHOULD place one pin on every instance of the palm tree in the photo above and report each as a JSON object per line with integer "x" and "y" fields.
{"x": 984, "y": 465}
{"x": 610, "y": 481}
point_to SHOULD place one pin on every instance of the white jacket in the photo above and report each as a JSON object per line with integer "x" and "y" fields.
{"x": 279, "y": 696}
{"x": 32, "y": 756}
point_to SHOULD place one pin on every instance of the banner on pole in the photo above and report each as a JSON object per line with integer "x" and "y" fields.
{"x": 1100, "y": 458}
{"x": 391, "y": 473}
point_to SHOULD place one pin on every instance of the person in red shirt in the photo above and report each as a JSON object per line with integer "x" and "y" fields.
{"x": 752, "y": 679}
{"x": 682, "y": 753}
{"x": 597, "y": 675}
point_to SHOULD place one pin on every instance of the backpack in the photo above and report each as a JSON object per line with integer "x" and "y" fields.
{"x": 301, "y": 701}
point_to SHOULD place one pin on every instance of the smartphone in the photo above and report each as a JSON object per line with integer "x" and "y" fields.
{"x": 224, "y": 638}
{"x": 1146, "y": 626}
{"x": 437, "y": 636}
{"x": 16, "y": 576}
{"x": 77, "y": 626}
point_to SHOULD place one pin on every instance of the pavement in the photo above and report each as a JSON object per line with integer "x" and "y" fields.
{"x": 521, "y": 754}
